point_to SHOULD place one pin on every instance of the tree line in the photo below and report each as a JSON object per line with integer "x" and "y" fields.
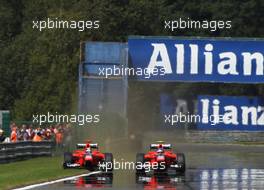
{"x": 39, "y": 70}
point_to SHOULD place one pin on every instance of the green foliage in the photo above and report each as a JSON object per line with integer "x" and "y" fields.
{"x": 39, "y": 70}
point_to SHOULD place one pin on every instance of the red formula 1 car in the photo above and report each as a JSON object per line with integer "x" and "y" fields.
{"x": 160, "y": 158}
{"x": 88, "y": 156}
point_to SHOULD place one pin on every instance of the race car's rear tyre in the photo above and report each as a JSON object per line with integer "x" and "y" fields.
{"x": 109, "y": 161}
{"x": 67, "y": 159}
{"x": 140, "y": 160}
{"x": 181, "y": 162}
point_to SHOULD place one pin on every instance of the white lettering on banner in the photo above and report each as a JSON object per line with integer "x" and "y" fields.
{"x": 194, "y": 59}
{"x": 250, "y": 115}
{"x": 226, "y": 66}
{"x": 231, "y": 115}
{"x": 180, "y": 59}
{"x": 248, "y": 58}
{"x": 160, "y": 49}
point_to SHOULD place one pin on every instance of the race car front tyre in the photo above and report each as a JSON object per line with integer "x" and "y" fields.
{"x": 67, "y": 159}
{"x": 140, "y": 160}
{"x": 109, "y": 162}
{"x": 181, "y": 162}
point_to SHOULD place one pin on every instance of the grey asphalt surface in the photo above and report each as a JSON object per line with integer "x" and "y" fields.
{"x": 209, "y": 167}
{"x": 194, "y": 179}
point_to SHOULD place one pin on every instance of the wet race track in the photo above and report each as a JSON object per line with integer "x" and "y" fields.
{"x": 193, "y": 179}
{"x": 208, "y": 167}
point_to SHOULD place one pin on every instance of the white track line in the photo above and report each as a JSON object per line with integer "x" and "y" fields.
{"x": 56, "y": 181}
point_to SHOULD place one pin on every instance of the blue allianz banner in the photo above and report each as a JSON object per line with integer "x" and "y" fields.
{"x": 197, "y": 60}
{"x": 231, "y": 113}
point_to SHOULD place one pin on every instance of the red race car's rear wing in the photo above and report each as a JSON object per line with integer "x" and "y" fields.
{"x": 164, "y": 146}
{"x": 92, "y": 145}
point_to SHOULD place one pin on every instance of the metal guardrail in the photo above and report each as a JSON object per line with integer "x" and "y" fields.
{"x": 10, "y": 152}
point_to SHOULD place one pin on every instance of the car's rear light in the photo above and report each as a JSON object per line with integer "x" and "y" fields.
{"x": 88, "y": 157}
{"x": 160, "y": 158}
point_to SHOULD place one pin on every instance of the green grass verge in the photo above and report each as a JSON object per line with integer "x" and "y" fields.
{"x": 32, "y": 171}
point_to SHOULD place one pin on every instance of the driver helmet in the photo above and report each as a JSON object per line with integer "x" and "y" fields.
{"x": 88, "y": 150}
{"x": 160, "y": 150}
